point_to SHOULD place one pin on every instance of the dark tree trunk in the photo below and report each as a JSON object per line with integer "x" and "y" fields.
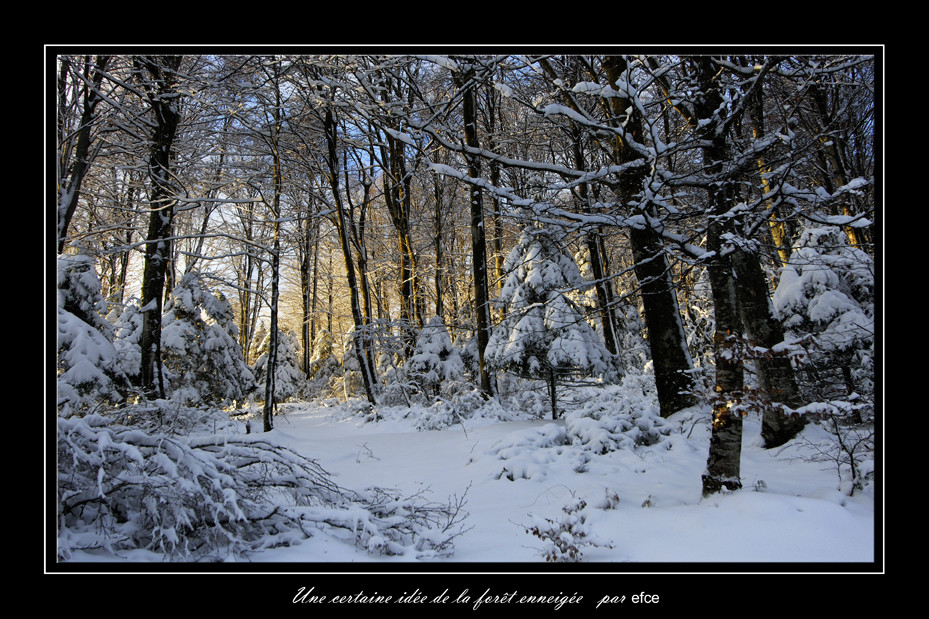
{"x": 274, "y": 143}
{"x": 465, "y": 82}
{"x": 776, "y": 377}
{"x": 439, "y": 254}
{"x": 358, "y": 240}
{"x": 398, "y": 200}
{"x": 670, "y": 355}
{"x": 601, "y": 284}
{"x": 358, "y": 335}
{"x": 162, "y": 96}
{"x": 552, "y": 391}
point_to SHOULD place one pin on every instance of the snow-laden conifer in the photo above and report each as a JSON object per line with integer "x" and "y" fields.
{"x": 435, "y": 362}
{"x": 544, "y": 333}
{"x": 200, "y": 350}
{"x": 289, "y": 381}
{"x": 87, "y": 370}
{"x": 826, "y": 295}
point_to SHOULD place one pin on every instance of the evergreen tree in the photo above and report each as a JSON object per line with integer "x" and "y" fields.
{"x": 323, "y": 354}
{"x": 127, "y": 328}
{"x": 289, "y": 381}
{"x": 434, "y": 361}
{"x": 544, "y": 334}
{"x": 199, "y": 341}
{"x": 87, "y": 368}
{"x": 826, "y": 295}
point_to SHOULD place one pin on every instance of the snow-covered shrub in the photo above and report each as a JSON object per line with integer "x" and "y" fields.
{"x": 564, "y": 538}
{"x": 88, "y": 373}
{"x": 825, "y": 298}
{"x": 201, "y": 354}
{"x": 206, "y": 498}
{"x": 844, "y": 437}
{"x": 289, "y": 381}
{"x": 216, "y": 497}
{"x": 617, "y": 417}
{"x": 533, "y": 452}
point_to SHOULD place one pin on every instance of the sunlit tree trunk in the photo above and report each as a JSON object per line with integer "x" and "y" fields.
{"x": 776, "y": 227}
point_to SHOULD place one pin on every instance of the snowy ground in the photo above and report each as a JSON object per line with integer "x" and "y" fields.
{"x": 789, "y": 511}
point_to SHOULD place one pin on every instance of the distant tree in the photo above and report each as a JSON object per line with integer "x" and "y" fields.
{"x": 322, "y": 353}
{"x": 289, "y": 381}
{"x": 127, "y": 329}
{"x": 544, "y": 334}
{"x": 435, "y": 361}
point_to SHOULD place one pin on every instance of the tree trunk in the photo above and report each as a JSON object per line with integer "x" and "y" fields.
{"x": 478, "y": 241}
{"x": 439, "y": 257}
{"x": 552, "y": 392}
{"x": 601, "y": 285}
{"x": 358, "y": 240}
{"x": 357, "y": 336}
{"x": 670, "y": 356}
{"x": 163, "y": 99}
{"x": 724, "y": 458}
{"x": 398, "y": 200}
{"x": 776, "y": 227}
{"x": 70, "y": 189}
{"x": 274, "y": 142}
{"x": 776, "y": 377}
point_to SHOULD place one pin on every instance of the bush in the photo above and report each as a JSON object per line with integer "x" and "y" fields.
{"x": 212, "y": 497}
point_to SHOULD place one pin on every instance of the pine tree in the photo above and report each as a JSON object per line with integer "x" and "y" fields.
{"x": 127, "y": 328}
{"x": 199, "y": 340}
{"x": 826, "y": 295}
{"x": 434, "y": 361}
{"x": 289, "y": 381}
{"x": 544, "y": 334}
{"x": 87, "y": 367}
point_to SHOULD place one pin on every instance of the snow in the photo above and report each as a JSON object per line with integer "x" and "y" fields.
{"x": 796, "y": 515}
{"x": 512, "y": 473}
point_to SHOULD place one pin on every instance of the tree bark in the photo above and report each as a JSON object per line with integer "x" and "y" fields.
{"x": 465, "y": 82}
{"x": 358, "y": 335}
{"x": 163, "y": 98}
{"x": 670, "y": 356}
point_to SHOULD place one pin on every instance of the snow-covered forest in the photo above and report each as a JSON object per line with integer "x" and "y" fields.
{"x": 380, "y": 309}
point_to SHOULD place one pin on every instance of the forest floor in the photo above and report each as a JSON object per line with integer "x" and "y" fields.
{"x": 789, "y": 511}
{"x": 643, "y": 506}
